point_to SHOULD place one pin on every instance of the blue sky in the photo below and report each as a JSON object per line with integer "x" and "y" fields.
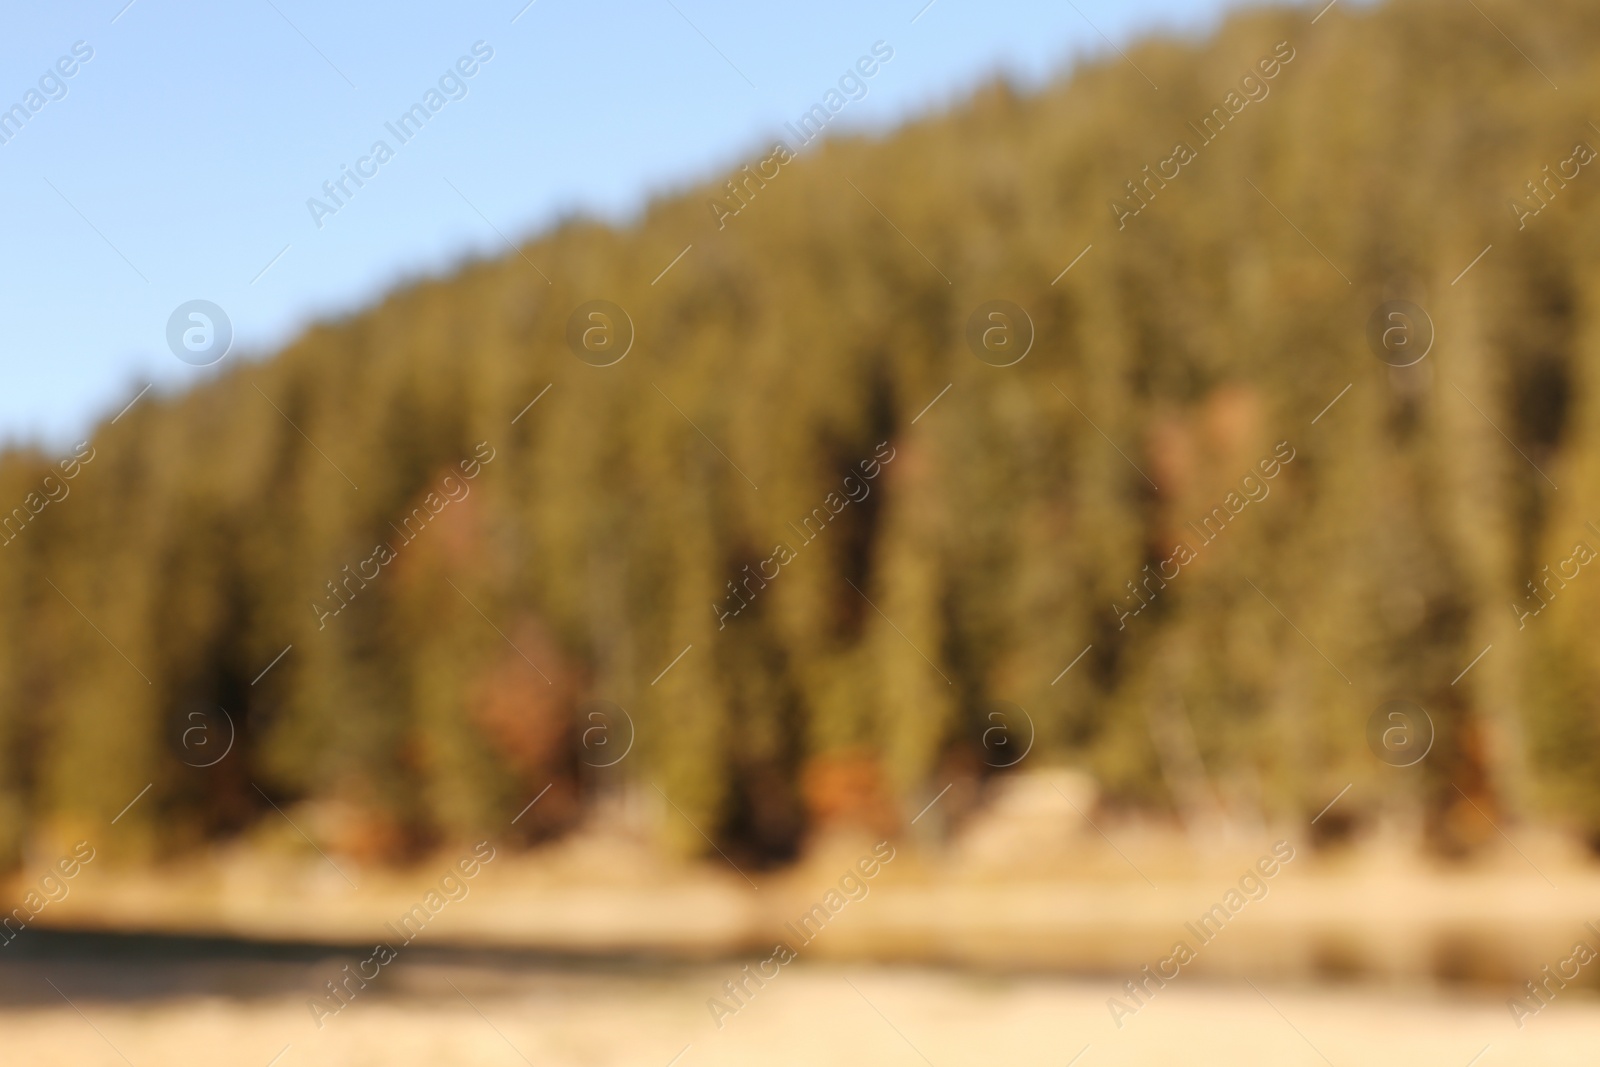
{"x": 178, "y": 163}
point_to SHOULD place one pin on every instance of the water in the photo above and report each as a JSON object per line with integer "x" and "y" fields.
{"x": 147, "y": 1000}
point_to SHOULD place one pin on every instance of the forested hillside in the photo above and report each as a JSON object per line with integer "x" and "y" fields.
{"x": 457, "y": 576}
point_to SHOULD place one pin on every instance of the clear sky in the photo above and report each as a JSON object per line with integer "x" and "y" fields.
{"x": 176, "y": 162}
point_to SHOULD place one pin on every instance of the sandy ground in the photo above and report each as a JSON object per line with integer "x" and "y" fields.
{"x": 598, "y": 951}
{"x": 456, "y": 1013}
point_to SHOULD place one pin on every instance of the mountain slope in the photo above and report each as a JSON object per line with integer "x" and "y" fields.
{"x": 797, "y": 346}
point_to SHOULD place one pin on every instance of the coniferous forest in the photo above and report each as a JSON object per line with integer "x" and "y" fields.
{"x": 1277, "y": 450}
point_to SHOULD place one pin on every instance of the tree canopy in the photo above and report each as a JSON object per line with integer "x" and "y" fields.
{"x": 1214, "y": 324}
